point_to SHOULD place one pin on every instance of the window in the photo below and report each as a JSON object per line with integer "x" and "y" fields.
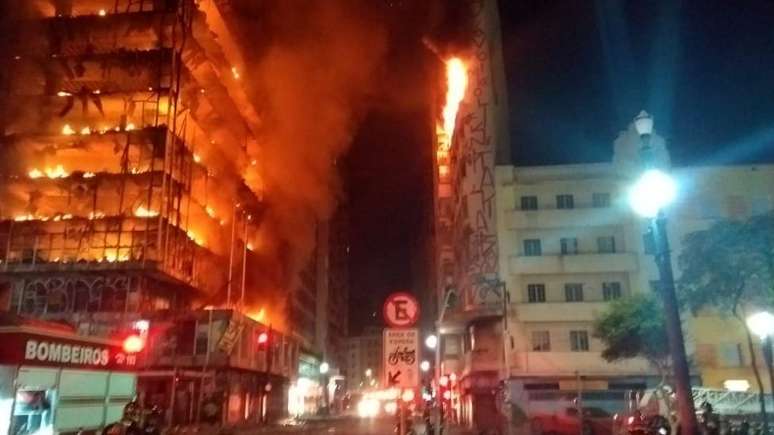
{"x": 536, "y": 293}
{"x": 611, "y": 290}
{"x": 606, "y": 245}
{"x": 569, "y": 245}
{"x": 564, "y": 201}
{"x": 541, "y": 341}
{"x": 579, "y": 341}
{"x": 730, "y": 355}
{"x": 529, "y": 203}
{"x": 532, "y": 247}
{"x": 573, "y": 292}
{"x": 600, "y": 200}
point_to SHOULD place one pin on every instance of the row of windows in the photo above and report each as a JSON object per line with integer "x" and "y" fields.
{"x": 566, "y": 201}
{"x": 569, "y": 246}
{"x": 579, "y": 341}
{"x": 573, "y": 292}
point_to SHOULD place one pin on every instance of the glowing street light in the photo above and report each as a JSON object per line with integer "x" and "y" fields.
{"x": 652, "y": 193}
{"x": 762, "y": 325}
{"x": 424, "y": 365}
{"x": 369, "y": 373}
{"x": 431, "y": 341}
{"x": 648, "y": 197}
{"x": 324, "y": 367}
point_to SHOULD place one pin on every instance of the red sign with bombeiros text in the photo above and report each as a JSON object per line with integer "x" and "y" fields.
{"x": 25, "y": 348}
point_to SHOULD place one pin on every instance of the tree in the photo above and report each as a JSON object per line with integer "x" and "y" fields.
{"x": 729, "y": 268}
{"x": 633, "y": 327}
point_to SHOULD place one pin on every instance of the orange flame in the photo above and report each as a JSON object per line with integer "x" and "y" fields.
{"x": 258, "y": 316}
{"x": 456, "y": 83}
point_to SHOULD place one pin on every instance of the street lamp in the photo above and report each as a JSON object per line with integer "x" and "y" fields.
{"x": 424, "y": 365}
{"x": 431, "y": 341}
{"x": 369, "y": 373}
{"x": 648, "y": 197}
{"x": 324, "y": 367}
{"x": 762, "y": 325}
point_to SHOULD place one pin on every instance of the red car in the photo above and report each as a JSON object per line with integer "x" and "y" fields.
{"x": 595, "y": 421}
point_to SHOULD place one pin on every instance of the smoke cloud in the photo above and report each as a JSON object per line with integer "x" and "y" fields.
{"x": 311, "y": 81}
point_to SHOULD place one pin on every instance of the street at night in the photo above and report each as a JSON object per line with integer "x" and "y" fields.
{"x": 386, "y": 217}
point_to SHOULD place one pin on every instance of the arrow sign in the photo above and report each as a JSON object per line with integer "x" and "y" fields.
{"x": 392, "y": 378}
{"x": 401, "y": 362}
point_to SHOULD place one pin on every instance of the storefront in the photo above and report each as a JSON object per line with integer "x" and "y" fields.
{"x": 54, "y": 381}
{"x": 305, "y": 396}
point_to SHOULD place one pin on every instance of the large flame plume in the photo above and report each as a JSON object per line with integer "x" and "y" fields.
{"x": 456, "y": 84}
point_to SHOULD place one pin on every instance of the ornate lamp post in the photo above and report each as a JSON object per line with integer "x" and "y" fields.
{"x": 648, "y": 197}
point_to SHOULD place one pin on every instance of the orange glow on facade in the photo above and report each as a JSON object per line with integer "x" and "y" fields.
{"x": 258, "y": 316}
{"x": 143, "y": 211}
{"x": 456, "y": 84}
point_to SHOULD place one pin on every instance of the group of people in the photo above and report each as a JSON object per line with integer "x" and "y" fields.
{"x": 137, "y": 421}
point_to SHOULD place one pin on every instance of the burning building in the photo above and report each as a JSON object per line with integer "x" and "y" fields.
{"x": 471, "y": 139}
{"x": 131, "y": 191}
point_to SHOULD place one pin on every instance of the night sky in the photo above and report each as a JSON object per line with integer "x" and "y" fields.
{"x": 577, "y": 72}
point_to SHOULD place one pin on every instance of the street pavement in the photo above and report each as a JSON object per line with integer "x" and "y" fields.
{"x": 335, "y": 426}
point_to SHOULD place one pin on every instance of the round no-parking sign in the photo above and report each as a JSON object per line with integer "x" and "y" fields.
{"x": 401, "y": 310}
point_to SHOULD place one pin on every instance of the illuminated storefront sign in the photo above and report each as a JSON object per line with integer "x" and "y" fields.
{"x": 22, "y": 348}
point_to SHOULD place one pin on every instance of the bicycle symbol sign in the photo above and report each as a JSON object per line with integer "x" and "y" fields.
{"x": 401, "y": 310}
{"x": 401, "y": 365}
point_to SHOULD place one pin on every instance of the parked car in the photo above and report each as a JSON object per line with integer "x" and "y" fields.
{"x": 566, "y": 421}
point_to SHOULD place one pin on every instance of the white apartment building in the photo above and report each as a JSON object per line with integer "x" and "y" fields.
{"x": 569, "y": 244}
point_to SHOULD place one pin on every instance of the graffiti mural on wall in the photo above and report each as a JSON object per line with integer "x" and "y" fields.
{"x": 476, "y": 140}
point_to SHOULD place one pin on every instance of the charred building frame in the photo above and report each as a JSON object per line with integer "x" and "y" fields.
{"x": 130, "y": 176}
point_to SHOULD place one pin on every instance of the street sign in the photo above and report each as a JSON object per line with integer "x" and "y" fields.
{"x": 401, "y": 310}
{"x": 401, "y": 357}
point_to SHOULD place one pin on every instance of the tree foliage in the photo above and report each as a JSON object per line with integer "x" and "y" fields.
{"x": 729, "y": 266}
{"x": 633, "y": 327}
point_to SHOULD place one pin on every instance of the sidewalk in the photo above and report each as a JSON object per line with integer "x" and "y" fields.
{"x": 457, "y": 430}
{"x": 288, "y": 425}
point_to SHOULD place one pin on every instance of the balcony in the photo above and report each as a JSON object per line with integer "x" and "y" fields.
{"x": 570, "y": 363}
{"x": 559, "y": 311}
{"x": 563, "y": 218}
{"x": 581, "y": 263}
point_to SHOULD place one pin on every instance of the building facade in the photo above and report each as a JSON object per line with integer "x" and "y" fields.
{"x": 569, "y": 244}
{"x": 526, "y": 258}
{"x": 132, "y": 193}
{"x": 364, "y": 360}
